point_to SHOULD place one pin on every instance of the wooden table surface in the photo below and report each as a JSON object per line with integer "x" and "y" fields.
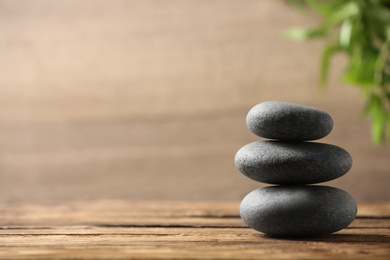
{"x": 174, "y": 230}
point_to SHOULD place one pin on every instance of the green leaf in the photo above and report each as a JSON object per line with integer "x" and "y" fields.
{"x": 347, "y": 10}
{"x": 387, "y": 31}
{"x": 323, "y": 8}
{"x": 388, "y": 126}
{"x": 345, "y": 33}
{"x": 378, "y": 127}
{"x": 388, "y": 97}
{"x": 380, "y": 63}
{"x": 300, "y": 34}
{"x": 367, "y": 108}
{"x": 327, "y": 54}
{"x": 377, "y": 130}
{"x": 377, "y": 19}
{"x": 375, "y": 109}
{"x": 361, "y": 69}
{"x": 378, "y": 13}
{"x": 361, "y": 30}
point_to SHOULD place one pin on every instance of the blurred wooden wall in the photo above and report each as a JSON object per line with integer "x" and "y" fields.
{"x": 147, "y": 99}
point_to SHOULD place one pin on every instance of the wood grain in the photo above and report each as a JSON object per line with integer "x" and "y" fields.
{"x": 146, "y": 99}
{"x": 174, "y": 230}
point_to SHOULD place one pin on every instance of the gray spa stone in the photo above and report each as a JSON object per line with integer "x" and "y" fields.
{"x": 298, "y": 211}
{"x": 287, "y": 121}
{"x": 281, "y": 162}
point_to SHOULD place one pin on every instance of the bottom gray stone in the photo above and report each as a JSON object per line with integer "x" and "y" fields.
{"x": 298, "y": 211}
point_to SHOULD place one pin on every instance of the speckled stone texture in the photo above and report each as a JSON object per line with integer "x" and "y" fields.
{"x": 287, "y": 121}
{"x": 279, "y": 162}
{"x": 294, "y": 209}
{"x": 298, "y": 211}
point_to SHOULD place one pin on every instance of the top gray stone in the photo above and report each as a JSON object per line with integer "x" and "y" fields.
{"x": 289, "y": 122}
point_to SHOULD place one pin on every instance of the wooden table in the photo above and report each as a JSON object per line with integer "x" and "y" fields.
{"x": 174, "y": 230}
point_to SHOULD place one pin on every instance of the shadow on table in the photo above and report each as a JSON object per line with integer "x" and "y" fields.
{"x": 345, "y": 238}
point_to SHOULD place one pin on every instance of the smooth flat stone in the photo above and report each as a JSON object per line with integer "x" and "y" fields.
{"x": 287, "y": 121}
{"x": 280, "y": 162}
{"x": 298, "y": 211}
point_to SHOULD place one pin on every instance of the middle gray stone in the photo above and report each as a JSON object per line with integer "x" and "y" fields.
{"x": 278, "y": 162}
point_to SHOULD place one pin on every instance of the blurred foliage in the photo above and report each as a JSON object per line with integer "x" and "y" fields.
{"x": 361, "y": 30}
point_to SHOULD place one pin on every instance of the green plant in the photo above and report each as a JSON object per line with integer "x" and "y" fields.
{"x": 361, "y": 30}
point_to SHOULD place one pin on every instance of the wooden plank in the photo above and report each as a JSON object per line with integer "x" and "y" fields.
{"x": 123, "y": 213}
{"x": 182, "y": 244}
{"x": 174, "y": 230}
{"x": 197, "y": 246}
{"x": 189, "y": 242}
{"x": 116, "y": 213}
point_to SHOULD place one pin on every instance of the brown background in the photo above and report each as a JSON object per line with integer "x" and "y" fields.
{"x": 146, "y": 99}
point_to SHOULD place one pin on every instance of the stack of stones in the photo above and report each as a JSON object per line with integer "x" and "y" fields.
{"x": 292, "y": 207}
